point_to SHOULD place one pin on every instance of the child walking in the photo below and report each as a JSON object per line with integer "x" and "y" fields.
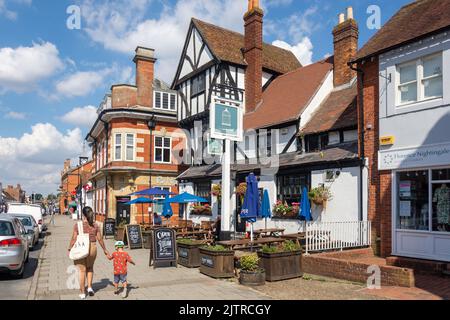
{"x": 121, "y": 259}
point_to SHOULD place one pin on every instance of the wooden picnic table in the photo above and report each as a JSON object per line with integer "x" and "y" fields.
{"x": 274, "y": 232}
{"x": 246, "y": 243}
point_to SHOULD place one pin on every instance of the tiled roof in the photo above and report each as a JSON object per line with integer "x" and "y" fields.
{"x": 411, "y": 22}
{"x": 336, "y": 112}
{"x": 227, "y": 46}
{"x": 288, "y": 95}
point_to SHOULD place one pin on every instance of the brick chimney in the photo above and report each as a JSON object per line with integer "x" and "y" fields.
{"x": 145, "y": 68}
{"x": 253, "y": 55}
{"x": 345, "y": 36}
{"x": 66, "y": 165}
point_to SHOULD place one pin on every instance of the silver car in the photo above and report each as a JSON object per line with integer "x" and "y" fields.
{"x": 14, "y": 248}
{"x": 31, "y": 227}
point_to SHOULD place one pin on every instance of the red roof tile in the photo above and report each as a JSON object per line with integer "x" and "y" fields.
{"x": 411, "y": 22}
{"x": 336, "y": 112}
{"x": 288, "y": 95}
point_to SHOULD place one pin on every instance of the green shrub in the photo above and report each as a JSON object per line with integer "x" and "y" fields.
{"x": 186, "y": 241}
{"x": 269, "y": 249}
{"x": 215, "y": 248}
{"x": 287, "y": 246}
{"x": 290, "y": 246}
{"x": 250, "y": 263}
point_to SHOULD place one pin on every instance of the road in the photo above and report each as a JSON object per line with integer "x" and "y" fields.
{"x": 17, "y": 289}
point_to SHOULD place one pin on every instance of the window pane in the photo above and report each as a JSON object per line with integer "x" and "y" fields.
{"x": 441, "y": 207}
{"x": 165, "y": 101}
{"x": 441, "y": 175}
{"x": 408, "y": 73}
{"x": 167, "y": 142}
{"x": 413, "y": 205}
{"x": 167, "y": 155}
{"x": 432, "y": 66}
{"x": 130, "y": 139}
{"x": 173, "y": 102}
{"x": 158, "y": 155}
{"x": 158, "y": 100}
{"x": 130, "y": 153}
{"x": 158, "y": 141}
{"x": 118, "y": 153}
{"x": 408, "y": 92}
{"x": 118, "y": 139}
{"x": 433, "y": 87}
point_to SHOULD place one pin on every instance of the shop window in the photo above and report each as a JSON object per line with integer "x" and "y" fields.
{"x": 290, "y": 187}
{"x": 413, "y": 204}
{"x": 441, "y": 200}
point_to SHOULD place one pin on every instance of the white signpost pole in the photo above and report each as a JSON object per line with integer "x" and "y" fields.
{"x": 226, "y": 189}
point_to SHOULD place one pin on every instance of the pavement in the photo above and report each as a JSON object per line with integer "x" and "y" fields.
{"x": 55, "y": 277}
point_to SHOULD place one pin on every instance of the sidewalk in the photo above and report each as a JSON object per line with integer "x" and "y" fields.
{"x": 145, "y": 282}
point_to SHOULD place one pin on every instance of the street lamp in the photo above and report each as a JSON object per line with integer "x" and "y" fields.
{"x": 152, "y": 126}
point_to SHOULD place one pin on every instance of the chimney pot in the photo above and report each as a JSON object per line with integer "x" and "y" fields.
{"x": 349, "y": 13}
{"x": 341, "y": 18}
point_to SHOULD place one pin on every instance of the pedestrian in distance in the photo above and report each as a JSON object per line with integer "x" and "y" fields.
{"x": 157, "y": 220}
{"x": 52, "y": 215}
{"x": 120, "y": 260}
{"x": 86, "y": 265}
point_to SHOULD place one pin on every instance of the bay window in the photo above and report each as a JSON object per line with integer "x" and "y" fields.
{"x": 118, "y": 147}
{"x": 130, "y": 147}
{"x": 420, "y": 80}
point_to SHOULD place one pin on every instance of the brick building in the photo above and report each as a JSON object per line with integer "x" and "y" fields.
{"x": 132, "y": 142}
{"x": 15, "y": 194}
{"x": 404, "y": 85}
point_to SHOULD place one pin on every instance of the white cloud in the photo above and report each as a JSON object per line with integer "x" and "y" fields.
{"x": 120, "y": 26}
{"x": 81, "y": 83}
{"x": 35, "y": 159}
{"x": 302, "y": 50}
{"x": 81, "y": 116}
{"x": 9, "y": 14}
{"x": 23, "y": 67}
{"x": 15, "y": 115}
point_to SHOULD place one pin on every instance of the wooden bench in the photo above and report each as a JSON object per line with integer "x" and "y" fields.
{"x": 274, "y": 232}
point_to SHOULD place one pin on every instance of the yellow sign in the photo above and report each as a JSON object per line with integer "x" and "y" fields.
{"x": 387, "y": 140}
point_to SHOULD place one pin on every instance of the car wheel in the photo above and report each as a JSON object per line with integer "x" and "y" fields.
{"x": 19, "y": 273}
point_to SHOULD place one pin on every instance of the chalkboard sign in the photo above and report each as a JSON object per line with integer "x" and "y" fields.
{"x": 134, "y": 236}
{"x": 164, "y": 248}
{"x": 109, "y": 228}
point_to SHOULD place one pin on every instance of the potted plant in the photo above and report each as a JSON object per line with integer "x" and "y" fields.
{"x": 320, "y": 196}
{"x": 189, "y": 252}
{"x": 217, "y": 261}
{"x": 283, "y": 210}
{"x": 281, "y": 262}
{"x": 251, "y": 273}
{"x": 120, "y": 230}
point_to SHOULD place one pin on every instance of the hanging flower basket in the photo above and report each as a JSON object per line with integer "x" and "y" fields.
{"x": 320, "y": 196}
{"x": 285, "y": 211}
{"x": 202, "y": 210}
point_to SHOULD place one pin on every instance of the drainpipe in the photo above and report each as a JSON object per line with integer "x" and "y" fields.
{"x": 361, "y": 124}
{"x": 106, "y": 161}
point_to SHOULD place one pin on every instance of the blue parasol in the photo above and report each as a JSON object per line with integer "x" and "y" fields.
{"x": 305, "y": 211}
{"x": 141, "y": 201}
{"x": 186, "y": 198}
{"x": 250, "y": 208}
{"x": 266, "y": 211}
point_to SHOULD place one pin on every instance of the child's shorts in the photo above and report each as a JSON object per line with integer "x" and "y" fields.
{"x": 120, "y": 278}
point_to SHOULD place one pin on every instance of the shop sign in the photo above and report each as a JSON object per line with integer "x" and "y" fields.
{"x": 387, "y": 140}
{"x": 433, "y": 155}
{"x": 226, "y": 121}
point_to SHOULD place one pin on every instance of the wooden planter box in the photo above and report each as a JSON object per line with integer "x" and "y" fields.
{"x": 120, "y": 232}
{"x": 189, "y": 254}
{"x": 247, "y": 278}
{"x": 281, "y": 266}
{"x": 217, "y": 264}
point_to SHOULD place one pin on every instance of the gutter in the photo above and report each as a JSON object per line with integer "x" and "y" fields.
{"x": 362, "y": 131}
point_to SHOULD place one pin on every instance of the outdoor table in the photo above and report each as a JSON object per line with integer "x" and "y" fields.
{"x": 246, "y": 243}
{"x": 274, "y": 232}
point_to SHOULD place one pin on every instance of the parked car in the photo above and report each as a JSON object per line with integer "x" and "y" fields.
{"x": 14, "y": 248}
{"x": 34, "y": 210}
{"x": 31, "y": 226}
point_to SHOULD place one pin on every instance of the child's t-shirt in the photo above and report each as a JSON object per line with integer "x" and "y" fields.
{"x": 120, "y": 262}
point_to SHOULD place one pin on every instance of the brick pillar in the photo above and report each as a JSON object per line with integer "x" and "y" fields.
{"x": 253, "y": 56}
{"x": 145, "y": 68}
{"x": 345, "y": 38}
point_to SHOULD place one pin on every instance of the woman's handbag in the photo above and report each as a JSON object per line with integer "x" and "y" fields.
{"x": 80, "y": 249}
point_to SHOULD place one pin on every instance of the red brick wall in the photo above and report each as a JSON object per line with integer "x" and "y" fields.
{"x": 124, "y": 96}
{"x": 380, "y": 188}
{"x": 253, "y": 57}
{"x": 144, "y": 82}
{"x": 345, "y": 47}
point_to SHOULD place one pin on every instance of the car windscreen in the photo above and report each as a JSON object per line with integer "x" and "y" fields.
{"x": 6, "y": 229}
{"x": 26, "y": 221}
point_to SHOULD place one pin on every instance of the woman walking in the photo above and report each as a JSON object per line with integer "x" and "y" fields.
{"x": 86, "y": 265}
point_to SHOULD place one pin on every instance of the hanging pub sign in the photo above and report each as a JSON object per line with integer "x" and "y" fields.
{"x": 134, "y": 236}
{"x": 164, "y": 253}
{"x": 109, "y": 228}
{"x": 226, "y": 121}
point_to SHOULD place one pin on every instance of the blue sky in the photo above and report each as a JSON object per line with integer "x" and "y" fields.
{"x": 52, "y": 77}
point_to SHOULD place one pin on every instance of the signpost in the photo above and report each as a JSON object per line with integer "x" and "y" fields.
{"x": 226, "y": 123}
{"x": 134, "y": 236}
{"x": 164, "y": 249}
{"x": 109, "y": 228}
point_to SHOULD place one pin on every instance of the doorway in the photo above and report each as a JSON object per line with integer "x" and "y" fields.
{"x": 123, "y": 210}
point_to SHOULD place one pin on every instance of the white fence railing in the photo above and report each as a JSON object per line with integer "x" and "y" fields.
{"x": 321, "y": 236}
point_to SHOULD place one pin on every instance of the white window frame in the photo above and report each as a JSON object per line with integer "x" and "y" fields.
{"x": 118, "y": 145}
{"x": 170, "y": 106}
{"x": 126, "y": 145}
{"x": 419, "y": 79}
{"x": 163, "y": 148}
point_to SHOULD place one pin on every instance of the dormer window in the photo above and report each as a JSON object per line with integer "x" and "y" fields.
{"x": 165, "y": 101}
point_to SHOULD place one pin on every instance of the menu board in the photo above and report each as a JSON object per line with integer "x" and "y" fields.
{"x": 164, "y": 247}
{"x": 134, "y": 236}
{"x": 109, "y": 227}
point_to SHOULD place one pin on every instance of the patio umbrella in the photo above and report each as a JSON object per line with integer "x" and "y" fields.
{"x": 141, "y": 201}
{"x": 305, "y": 206}
{"x": 167, "y": 210}
{"x": 186, "y": 198}
{"x": 153, "y": 192}
{"x": 250, "y": 208}
{"x": 265, "y": 207}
